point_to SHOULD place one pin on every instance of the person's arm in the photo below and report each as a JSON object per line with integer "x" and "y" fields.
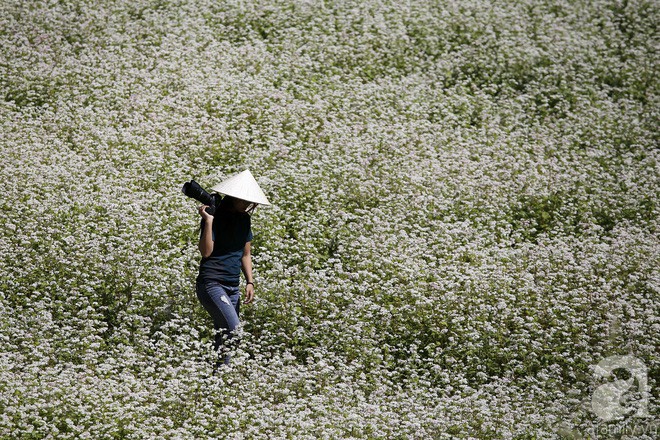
{"x": 246, "y": 267}
{"x": 206, "y": 240}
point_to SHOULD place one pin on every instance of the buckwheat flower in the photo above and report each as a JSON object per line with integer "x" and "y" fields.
{"x": 464, "y": 215}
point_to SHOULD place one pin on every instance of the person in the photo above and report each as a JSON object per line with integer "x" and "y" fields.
{"x": 225, "y": 245}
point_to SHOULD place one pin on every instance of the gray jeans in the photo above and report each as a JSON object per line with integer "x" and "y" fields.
{"x": 223, "y": 304}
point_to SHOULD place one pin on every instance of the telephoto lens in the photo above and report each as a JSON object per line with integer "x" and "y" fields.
{"x": 193, "y": 190}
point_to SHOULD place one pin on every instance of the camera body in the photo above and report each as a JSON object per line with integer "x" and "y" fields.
{"x": 193, "y": 190}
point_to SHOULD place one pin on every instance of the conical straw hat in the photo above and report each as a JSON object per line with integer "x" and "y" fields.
{"x": 242, "y": 186}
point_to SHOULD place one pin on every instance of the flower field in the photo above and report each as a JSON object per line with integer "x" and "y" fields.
{"x": 465, "y": 217}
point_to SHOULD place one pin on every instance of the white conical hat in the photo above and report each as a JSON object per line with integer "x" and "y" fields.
{"x": 242, "y": 186}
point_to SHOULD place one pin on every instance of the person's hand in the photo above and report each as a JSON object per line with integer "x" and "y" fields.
{"x": 249, "y": 293}
{"x": 205, "y": 215}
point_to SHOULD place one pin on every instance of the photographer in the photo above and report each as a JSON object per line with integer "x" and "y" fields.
{"x": 225, "y": 243}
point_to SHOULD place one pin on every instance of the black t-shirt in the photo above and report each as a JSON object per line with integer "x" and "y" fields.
{"x": 231, "y": 230}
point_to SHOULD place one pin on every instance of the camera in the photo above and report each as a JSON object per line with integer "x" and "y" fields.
{"x": 193, "y": 190}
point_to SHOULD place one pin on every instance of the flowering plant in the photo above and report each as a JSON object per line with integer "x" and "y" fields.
{"x": 464, "y": 215}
